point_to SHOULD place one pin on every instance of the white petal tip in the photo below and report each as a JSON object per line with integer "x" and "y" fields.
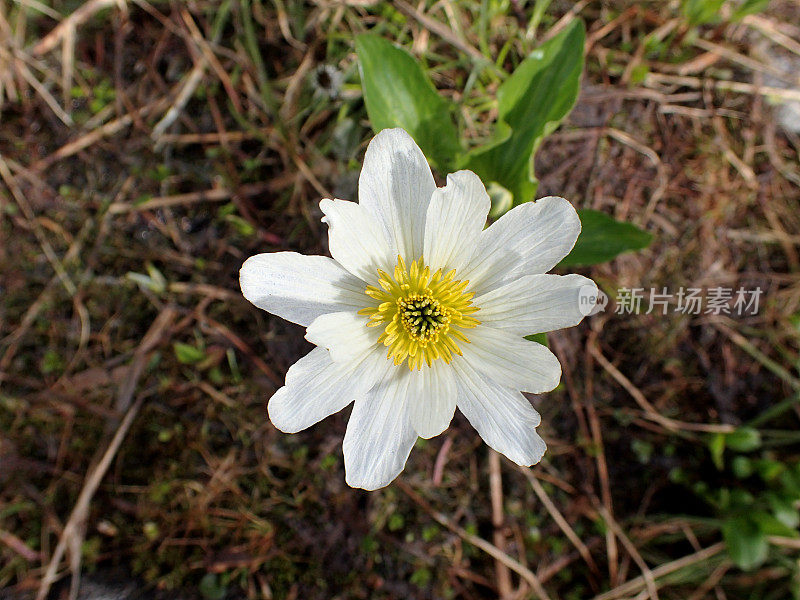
{"x": 278, "y": 414}
{"x": 365, "y": 484}
{"x": 534, "y": 454}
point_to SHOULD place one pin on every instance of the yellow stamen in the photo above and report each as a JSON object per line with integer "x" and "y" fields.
{"x": 423, "y": 315}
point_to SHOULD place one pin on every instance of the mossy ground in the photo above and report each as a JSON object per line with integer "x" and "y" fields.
{"x": 106, "y": 224}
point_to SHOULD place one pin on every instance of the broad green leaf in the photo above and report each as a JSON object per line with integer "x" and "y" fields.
{"x": 746, "y": 542}
{"x": 602, "y": 238}
{"x": 532, "y": 102}
{"x": 399, "y": 94}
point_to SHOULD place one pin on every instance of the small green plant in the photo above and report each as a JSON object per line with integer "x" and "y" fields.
{"x": 531, "y": 103}
{"x": 703, "y": 12}
{"x": 760, "y": 503}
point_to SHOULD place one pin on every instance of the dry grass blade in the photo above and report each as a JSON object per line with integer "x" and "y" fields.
{"x": 108, "y": 129}
{"x": 493, "y": 551}
{"x": 72, "y": 535}
{"x": 769, "y": 29}
{"x": 650, "y": 411}
{"x": 647, "y": 574}
{"x": 200, "y": 138}
{"x": 441, "y": 30}
{"x": 77, "y": 18}
{"x": 559, "y": 519}
{"x": 25, "y": 207}
{"x": 45, "y": 94}
{"x": 655, "y": 80}
{"x": 496, "y": 494}
{"x": 634, "y": 585}
{"x": 762, "y": 358}
{"x": 187, "y": 89}
{"x": 663, "y": 179}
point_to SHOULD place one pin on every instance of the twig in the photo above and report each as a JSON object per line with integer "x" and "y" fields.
{"x": 23, "y": 70}
{"x": 741, "y": 59}
{"x": 188, "y": 88}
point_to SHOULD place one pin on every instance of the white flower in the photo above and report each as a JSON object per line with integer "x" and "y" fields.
{"x": 421, "y": 310}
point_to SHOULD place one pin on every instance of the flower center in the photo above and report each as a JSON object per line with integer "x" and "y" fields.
{"x": 423, "y": 314}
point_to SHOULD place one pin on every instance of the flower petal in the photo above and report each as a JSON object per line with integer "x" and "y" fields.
{"x": 317, "y": 387}
{"x": 355, "y": 239}
{"x": 432, "y": 398}
{"x": 299, "y": 288}
{"x": 529, "y": 239}
{"x": 503, "y": 417}
{"x": 537, "y": 303}
{"x": 379, "y": 435}
{"x": 345, "y": 334}
{"x": 456, "y": 217}
{"x": 395, "y": 185}
{"x": 511, "y": 360}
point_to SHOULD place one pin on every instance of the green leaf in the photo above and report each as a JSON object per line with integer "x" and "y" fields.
{"x": 539, "y": 338}
{"x": 749, "y": 7}
{"x": 742, "y": 467}
{"x": 769, "y": 470}
{"x": 211, "y": 588}
{"x": 770, "y": 525}
{"x": 501, "y": 200}
{"x": 399, "y": 94}
{"x": 187, "y": 354}
{"x": 746, "y": 542}
{"x": 602, "y": 238}
{"x": 699, "y": 12}
{"x": 532, "y": 102}
{"x": 716, "y": 446}
{"x": 784, "y": 510}
{"x": 744, "y": 439}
